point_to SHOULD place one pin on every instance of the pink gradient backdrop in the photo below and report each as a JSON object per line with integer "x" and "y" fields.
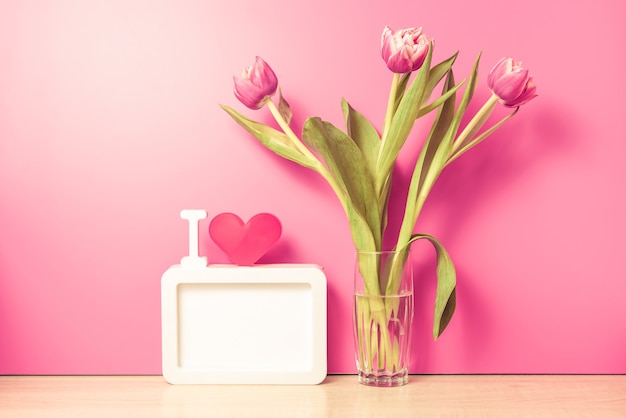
{"x": 110, "y": 125}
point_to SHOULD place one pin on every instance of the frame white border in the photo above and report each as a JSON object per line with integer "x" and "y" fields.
{"x": 313, "y": 372}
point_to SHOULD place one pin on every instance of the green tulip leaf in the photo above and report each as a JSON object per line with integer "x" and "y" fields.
{"x": 363, "y": 133}
{"x": 364, "y": 240}
{"x": 272, "y": 139}
{"x": 430, "y": 163}
{"x": 345, "y": 161}
{"x": 437, "y": 146}
{"x": 445, "y": 297}
{"x": 437, "y": 73}
{"x": 283, "y": 108}
{"x": 439, "y": 100}
{"x": 465, "y": 101}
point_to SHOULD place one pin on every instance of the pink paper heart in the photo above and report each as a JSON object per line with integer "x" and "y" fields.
{"x": 243, "y": 243}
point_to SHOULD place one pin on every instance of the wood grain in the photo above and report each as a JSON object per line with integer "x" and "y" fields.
{"x": 337, "y": 396}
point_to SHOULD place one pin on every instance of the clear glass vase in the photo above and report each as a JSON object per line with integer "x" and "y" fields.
{"x": 383, "y": 317}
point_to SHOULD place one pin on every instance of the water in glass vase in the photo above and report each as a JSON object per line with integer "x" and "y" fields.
{"x": 382, "y": 327}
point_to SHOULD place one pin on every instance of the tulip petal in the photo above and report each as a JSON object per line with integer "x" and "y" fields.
{"x": 527, "y": 95}
{"x": 404, "y": 50}
{"x": 511, "y": 85}
{"x": 501, "y": 68}
{"x": 247, "y": 93}
{"x": 511, "y": 82}
{"x": 256, "y": 84}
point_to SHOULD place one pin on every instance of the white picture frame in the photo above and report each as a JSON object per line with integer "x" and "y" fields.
{"x": 226, "y": 324}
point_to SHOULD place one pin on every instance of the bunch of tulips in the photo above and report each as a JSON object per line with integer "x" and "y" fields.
{"x": 357, "y": 162}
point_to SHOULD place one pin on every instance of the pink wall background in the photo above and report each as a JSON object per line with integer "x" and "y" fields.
{"x": 110, "y": 125}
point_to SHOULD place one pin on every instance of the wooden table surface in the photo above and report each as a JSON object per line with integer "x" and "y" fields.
{"x": 337, "y": 396}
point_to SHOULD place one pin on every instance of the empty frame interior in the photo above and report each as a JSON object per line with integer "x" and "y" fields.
{"x": 245, "y": 326}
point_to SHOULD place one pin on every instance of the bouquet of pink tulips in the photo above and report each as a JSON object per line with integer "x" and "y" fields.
{"x": 357, "y": 162}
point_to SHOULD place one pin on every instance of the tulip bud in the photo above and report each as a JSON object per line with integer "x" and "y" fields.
{"x": 511, "y": 83}
{"x": 256, "y": 84}
{"x": 404, "y": 50}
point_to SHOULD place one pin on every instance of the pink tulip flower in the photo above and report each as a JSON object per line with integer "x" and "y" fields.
{"x": 404, "y": 50}
{"x": 256, "y": 84}
{"x": 511, "y": 83}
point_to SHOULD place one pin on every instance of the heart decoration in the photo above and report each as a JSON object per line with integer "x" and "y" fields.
{"x": 245, "y": 243}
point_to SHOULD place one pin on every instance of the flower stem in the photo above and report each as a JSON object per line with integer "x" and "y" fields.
{"x": 288, "y": 131}
{"x": 391, "y": 104}
{"x": 467, "y": 141}
{"x": 382, "y": 185}
{"x": 475, "y": 124}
